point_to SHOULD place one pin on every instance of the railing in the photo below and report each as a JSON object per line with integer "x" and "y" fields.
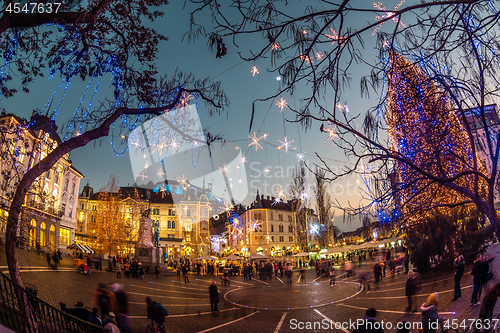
{"x": 45, "y": 208}
{"x": 22, "y": 311}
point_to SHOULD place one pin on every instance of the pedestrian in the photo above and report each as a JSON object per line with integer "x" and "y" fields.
{"x": 127, "y": 269}
{"x": 110, "y": 323}
{"x": 216, "y": 271}
{"x": 89, "y": 263}
{"x": 178, "y": 269}
{"x": 489, "y": 302}
{"x": 185, "y": 274}
{"x": 377, "y": 271}
{"x": 369, "y": 324}
{"x": 48, "y": 258}
{"x": 157, "y": 270}
{"x": 156, "y": 312}
{"x": 459, "y": 264}
{"x": 119, "y": 270}
{"x": 302, "y": 277}
{"x": 214, "y": 296}
{"x": 349, "y": 268}
{"x": 430, "y": 314}
{"x": 122, "y": 318}
{"x": 410, "y": 290}
{"x": 94, "y": 317}
{"x": 289, "y": 274}
{"x": 477, "y": 272}
{"x": 104, "y": 300}
{"x": 141, "y": 270}
{"x": 486, "y": 274}
{"x": 332, "y": 275}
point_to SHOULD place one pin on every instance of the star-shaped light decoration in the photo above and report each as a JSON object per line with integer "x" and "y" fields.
{"x": 319, "y": 55}
{"x": 243, "y": 160}
{"x": 266, "y": 170}
{"x": 305, "y": 58}
{"x": 281, "y": 193}
{"x": 275, "y": 46}
{"x": 163, "y": 191}
{"x": 388, "y": 15}
{"x": 143, "y": 176}
{"x": 160, "y": 173}
{"x": 255, "y": 141}
{"x": 334, "y": 37}
{"x": 305, "y": 196}
{"x": 237, "y": 148}
{"x": 286, "y": 144}
{"x": 146, "y": 166}
{"x": 174, "y": 145}
{"x": 224, "y": 168}
{"x": 184, "y": 100}
{"x": 78, "y": 133}
{"x": 331, "y": 133}
{"x": 254, "y": 71}
{"x": 344, "y": 107}
{"x": 183, "y": 181}
{"x": 255, "y": 225}
{"x": 282, "y": 104}
{"x": 300, "y": 156}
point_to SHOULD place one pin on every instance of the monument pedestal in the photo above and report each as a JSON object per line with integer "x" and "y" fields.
{"x": 150, "y": 255}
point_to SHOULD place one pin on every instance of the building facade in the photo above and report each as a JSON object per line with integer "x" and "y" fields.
{"x": 48, "y": 216}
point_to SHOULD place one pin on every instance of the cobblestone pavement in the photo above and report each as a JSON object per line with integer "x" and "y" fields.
{"x": 250, "y": 306}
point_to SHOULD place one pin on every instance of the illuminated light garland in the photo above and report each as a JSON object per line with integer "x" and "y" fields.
{"x": 254, "y": 71}
{"x": 305, "y": 58}
{"x": 424, "y": 129}
{"x": 255, "y": 141}
{"x": 282, "y": 103}
{"x": 286, "y": 144}
{"x": 388, "y": 14}
{"x": 343, "y": 108}
{"x": 275, "y": 46}
{"x": 183, "y": 181}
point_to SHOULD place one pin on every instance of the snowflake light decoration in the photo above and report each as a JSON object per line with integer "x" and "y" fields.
{"x": 224, "y": 168}
{"x": 334, "y": 37}
{"x": 160, "y": 173}
{"x": 255, "y": 141}
{"x": 305, "y": 58}
{"x": 254, "y": 71}
{"x": 184, "y": 100}
{"x": 282, "y": 104}
{"x": 275, "y": 46}
{"x": 243, "y": 160}
{"x": 300, "y": 156}
{"x": 281, "y": 193}
{"x": 266, "y": 170}
{"x": 388, "y": 15}
{"x": 143, "y": 176}
{"x": 286, "y": 144}
{"x": 331, "y": 133}
{"x": 183, "y": 181}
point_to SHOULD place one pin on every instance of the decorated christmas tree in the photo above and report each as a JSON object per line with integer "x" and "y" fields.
{"x": 431, "y": 141}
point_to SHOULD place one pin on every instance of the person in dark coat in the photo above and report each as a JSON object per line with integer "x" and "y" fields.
{"x": 459, "y": 272}
{"x": 477, "y": 272}
{"x": 122, "y": 318}
{"x": 489, "y": 301}
{"x": 185, "y": 274}
{"x": 430, "y": 314}
{"x": 410, "y": 290}
{"x": 377, "y": 271}
{"x": 369, "y": 324}
{"x": 214, "y": 296}
{"x": 485, "y": 274}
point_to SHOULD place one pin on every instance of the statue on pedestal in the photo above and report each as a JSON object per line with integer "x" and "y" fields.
{"x": 145, "y": 231}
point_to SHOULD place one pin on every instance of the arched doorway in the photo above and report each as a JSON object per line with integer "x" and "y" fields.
{"x": 43, "y": 241}
{"x": 52, "y": 237}
{"x": 33, "y": 233}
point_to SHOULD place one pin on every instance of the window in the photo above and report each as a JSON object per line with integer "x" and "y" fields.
{"x": 204, "y": 225}
{"x": 280, "y": 228}
{"x": 64, "y": 236}
{"x": 290, "y": 238}
{"x": 290, "y": 229}
{"x": 188, "y": 212}
{"x": 22, "y": 155}
{"x": 280, "y": 217}
{"x": 169, "y": 224}
{"x": 92, "y": 218}
{"x": 173, "y": 224}
{"x": 66, "y": 184}
{"x": 73, "y": 187}
{"x": 272, "y": 238}
{"x": 289, "y": 218}
{"x": 282, "y": 239}
{"x": 63, "y": 208}
{"x": 156, "y": 211}
{"x": 56, "y": 177}
{"x": 188, "y": 238}
{"x": 271, "y": 216}
{"x": 94, "y": 207}
{"x": 83, "y": 206}
{"x": 272, "y": 228}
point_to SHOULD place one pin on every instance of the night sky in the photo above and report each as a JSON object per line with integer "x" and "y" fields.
{"x": 98, "y": 162}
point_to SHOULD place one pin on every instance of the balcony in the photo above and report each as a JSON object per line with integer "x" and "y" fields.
{"x": 41, "y": 206}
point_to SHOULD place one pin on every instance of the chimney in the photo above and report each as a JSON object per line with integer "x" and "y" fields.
{"x": 267, "y": 197}
{"x": 262, "y": 197}
{"x": 272, "y": 198}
